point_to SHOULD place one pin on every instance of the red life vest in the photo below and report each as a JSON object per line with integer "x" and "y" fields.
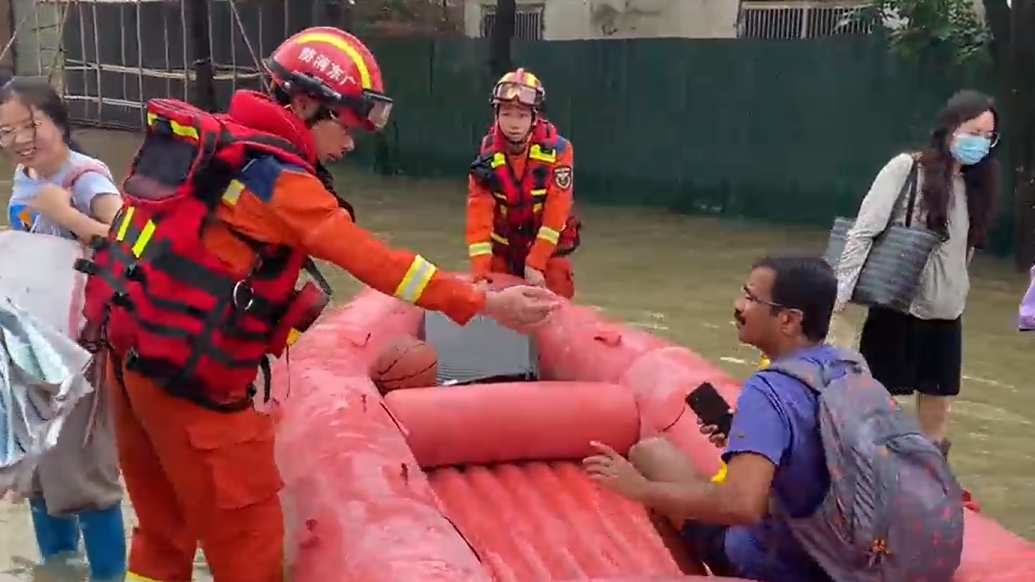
{"x": 168, "y": 307}
{"x": 519, "y": 201}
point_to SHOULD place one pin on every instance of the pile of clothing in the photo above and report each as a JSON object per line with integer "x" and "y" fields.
{"x": 41, "y": 380}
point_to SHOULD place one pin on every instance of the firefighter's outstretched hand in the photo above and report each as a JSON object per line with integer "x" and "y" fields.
{"x": 535, "y": 277}
{"x": 521, "y": 308}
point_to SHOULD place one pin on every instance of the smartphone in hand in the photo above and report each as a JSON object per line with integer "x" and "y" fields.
{"x": 711, "y": 407}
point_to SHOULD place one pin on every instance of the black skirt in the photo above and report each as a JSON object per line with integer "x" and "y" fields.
{"x": 908, "y": 354}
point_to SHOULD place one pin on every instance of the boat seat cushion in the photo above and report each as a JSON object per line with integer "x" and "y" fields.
{"x": 514, "y": 421}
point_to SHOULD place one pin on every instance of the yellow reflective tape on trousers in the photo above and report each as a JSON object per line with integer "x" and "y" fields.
{"x": 416, "y": 279}
{"x": 177, "y": 128}
{"x": 477, "y": 249}
{"x": 548, "y": 234}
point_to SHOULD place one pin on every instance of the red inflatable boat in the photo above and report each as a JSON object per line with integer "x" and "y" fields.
{"x": 482, "y": 482}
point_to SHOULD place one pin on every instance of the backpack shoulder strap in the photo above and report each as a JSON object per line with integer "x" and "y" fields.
{"x": 80, "y": 170}
{"x": 817, "y": 376}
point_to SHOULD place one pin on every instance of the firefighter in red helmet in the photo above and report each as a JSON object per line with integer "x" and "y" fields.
{"x": 197, "y": 283}
{"x": 519, "y": 201}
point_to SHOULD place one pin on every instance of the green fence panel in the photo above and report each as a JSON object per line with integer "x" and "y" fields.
{"x": 787, "y": 131}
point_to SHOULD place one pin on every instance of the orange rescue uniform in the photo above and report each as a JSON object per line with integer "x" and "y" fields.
{"x": 199, "y": 475}
{"x": 556, "y": 211}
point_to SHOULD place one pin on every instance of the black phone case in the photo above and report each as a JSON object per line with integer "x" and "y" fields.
{"x": 711, "y": 407}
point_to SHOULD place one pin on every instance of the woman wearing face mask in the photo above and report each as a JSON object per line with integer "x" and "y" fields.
{"x": 59, "y": 191}
{"x": 957, "y": 185}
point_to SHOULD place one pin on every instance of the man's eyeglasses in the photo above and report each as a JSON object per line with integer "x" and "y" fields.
{"x": 750, "y": 296}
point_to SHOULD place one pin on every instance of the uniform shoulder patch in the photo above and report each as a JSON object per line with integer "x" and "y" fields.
{"x": 260, "y": 175}
{"x": 562, "y": 177}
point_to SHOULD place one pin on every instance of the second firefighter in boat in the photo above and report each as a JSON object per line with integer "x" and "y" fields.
{"x": 519, "y": 202}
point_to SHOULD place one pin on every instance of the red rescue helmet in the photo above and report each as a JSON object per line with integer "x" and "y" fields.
{"x": 521, "y": 87}
{"x": 337, "y": 69}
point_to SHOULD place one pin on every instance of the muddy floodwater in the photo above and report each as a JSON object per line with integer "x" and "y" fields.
{"x": 677, "y": 276}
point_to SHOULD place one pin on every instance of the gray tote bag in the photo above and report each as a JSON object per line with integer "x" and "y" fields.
{"x": 891, "y": 274}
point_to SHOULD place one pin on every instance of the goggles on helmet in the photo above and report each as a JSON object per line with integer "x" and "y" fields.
{"x": 523, "y": 94}
{"x": 370, "y": 106}
{"x": 373, "y": 107}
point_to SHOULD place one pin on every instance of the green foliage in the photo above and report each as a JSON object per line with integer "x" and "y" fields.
{"x": 406, "y": 17}
{"x": 919, "y": 29}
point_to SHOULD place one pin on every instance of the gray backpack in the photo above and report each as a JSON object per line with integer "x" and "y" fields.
{"x": 894, "y": 511}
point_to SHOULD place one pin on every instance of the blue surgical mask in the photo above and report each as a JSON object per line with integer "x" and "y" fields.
{"x": 969, "y": 149}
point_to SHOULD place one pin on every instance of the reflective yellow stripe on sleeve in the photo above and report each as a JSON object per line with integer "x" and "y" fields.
{"x": 478, "y": 249}
{"x": 548, "y": 234}
{"x": 499, "y": 239}
{"x": 416, "y": 279}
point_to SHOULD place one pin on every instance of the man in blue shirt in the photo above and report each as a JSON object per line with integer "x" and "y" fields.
{"x": 773, "y": 450}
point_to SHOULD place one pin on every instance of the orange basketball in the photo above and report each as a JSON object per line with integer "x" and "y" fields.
{"x": 404, "y": 362}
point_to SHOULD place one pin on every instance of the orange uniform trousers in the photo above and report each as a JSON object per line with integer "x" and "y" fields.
{"x": 197, "y": 477}
{"x": 558, "y": 274}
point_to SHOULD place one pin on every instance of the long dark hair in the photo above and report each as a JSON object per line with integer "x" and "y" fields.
{"x": 981, "y": 179}
{"x": 36, "y": 93}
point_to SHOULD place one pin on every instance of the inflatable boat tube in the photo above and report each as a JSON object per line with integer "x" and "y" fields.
{"x": 482, "y": 482}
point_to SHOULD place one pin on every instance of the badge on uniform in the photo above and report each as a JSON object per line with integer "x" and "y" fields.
{"x": 562, "y": 177}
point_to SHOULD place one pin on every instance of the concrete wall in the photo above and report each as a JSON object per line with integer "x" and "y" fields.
{"x": 37, "y": 43}
{"x": 589, "y": 19}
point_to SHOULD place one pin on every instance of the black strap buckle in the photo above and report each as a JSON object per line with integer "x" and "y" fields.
{"x": 85, "y": 266}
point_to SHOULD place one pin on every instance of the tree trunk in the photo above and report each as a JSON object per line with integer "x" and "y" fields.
{"x": 1021, "y": 74}
{"x": 502, "y": 31}
{"x": 204, "y": 96}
